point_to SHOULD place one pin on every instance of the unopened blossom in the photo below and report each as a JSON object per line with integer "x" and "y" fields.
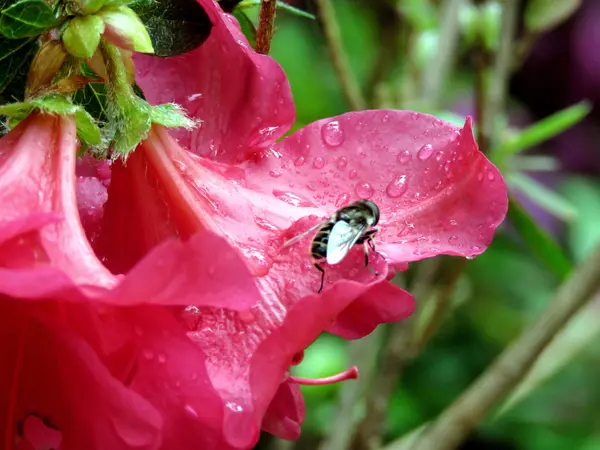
{"x": 437, "y": 195}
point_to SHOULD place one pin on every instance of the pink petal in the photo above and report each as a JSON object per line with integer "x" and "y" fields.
{"x": 384, "y": 303}
{"x": 243, "y": 98}
{"x": 285, "y": 413}
{"x": 77, "y": 394}
{"x": 44, "y": 252}
{"x": 437, "y": 192}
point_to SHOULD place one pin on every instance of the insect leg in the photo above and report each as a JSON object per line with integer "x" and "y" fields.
{"x": 369, "y": 244}
{"x": 320, "y": 269}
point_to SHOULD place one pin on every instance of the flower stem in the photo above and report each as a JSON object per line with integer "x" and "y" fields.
{"x": 457, "y": 422}
{"x": 117, "y": 80}
{"x": 266, "y": 20}
{"x": 333, "y": 36}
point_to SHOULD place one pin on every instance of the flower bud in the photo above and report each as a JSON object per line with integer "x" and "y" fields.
{"x": 82, "y": 36}
{"x": 124, "y": 29}
{"x": 48, "y": 60}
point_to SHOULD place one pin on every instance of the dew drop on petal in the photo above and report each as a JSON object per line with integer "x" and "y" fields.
{"x": 415, "y": 116}
{"x": 162, "y": 358}
{"x": 439, "y": 155}
{"x": 491, "y": 176}
{"x": 189, "y": 409}
{"x": 397, "y": 187}
{"x": 318, "y": 163}
{"x": 300, "y": 161}
{"x": 148, "y": 354}
{"x": 425, "y": 152}
{"x": 438, "y": 122}
{"x": 404, "y": 156}
{"x": 342, "y": 162}
{"x": 352, "y": 174}
{"x": 332, "y": 134}
{"x": 480, "y": 176}
{"x": 452, "y": 239}
{"x": 274, "y": 174}
{"x": 385, "y": 118}
{"x": 364, "y": 190}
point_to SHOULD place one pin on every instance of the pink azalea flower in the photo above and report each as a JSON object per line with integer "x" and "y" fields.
{"x": 437, "y": 195}
{"x": 74, "y": 335}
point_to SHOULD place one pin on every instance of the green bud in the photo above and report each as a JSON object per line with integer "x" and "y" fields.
{"x": 82, "y": 36}
{"x": 124, "y": 29}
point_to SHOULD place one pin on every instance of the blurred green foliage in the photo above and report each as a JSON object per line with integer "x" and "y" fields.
{"x": 501, "y": 291}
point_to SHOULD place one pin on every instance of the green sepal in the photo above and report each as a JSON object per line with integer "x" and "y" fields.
{"x": 129, "y": 125}
{"x": 171, "y": 115}
{"x": 82, "y": 36}
{"x": 542, "y": 15}
{"x": 26, "y": 18}
{"x": 87, "y": 129}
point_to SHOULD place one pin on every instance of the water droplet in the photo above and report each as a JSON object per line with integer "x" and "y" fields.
{"x": 452, "y": 239}
{"x": 319, "y": 163}
{"x": 470, "y": 257}
{"x": 364, "y": 190}
{"x": 274, "y": 174}
{"x": 438, "y": 122}
{"x": 476, "y": 248}
{"x": 299, "y": 161}
{"x": 404, "y": 156}
{"x": 332, "y": 134}
{"x": 425, "y": 152}
{"x": 416, "y": 116}
{"x": 194, "y": 97}
{"x": 352, "y": 174}
{"x": 439, "y": 155}
{"x": 491, "y": 176}
{"x": 310, "y": 187}
{"x": 162, "y": 358}
{"x": 438, "y": 185}
{"x": 397, "y": 187}
{"x": 418, "y": 252}
{"x": 148, "y": 354}
{"x": 480, "y": 176}
{"x": 342, "y": 162}
{"x": 342, "y": 200}
{"x": 362, "y": 155}
{"x": 385, "y": 118}
{"x": 435, "y": 241}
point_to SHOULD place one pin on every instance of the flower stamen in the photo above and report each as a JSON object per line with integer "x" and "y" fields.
{"x": 349, "y": 374}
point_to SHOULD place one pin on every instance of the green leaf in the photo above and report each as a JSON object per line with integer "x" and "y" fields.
{"x": 174, "y": 26}
{"x": 171, "y": 115}
{"x": 538, "y": 241}
{"x": 247, "y": 26}
{"x": 87, "y": 130}
{"x": 280, "y": 5}
{"x": 54, "y": 104}
{"x": 15, "y": 58}
{"x": 92, "y": 97}
{"x": 545, "y": 129}
{"x": 26, "y": 18}
{"x": 546, "y": 198}
{"x": 542, "y": 15}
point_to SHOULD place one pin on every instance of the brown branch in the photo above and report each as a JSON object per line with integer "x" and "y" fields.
{"x": 266, "y": 20}
{"x": 458, "y": 421}
{"x": 331, "y": 29}
{"x": 397, "y": 352}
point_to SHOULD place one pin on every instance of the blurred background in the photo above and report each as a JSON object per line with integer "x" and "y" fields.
{"x": 529, "y": 71}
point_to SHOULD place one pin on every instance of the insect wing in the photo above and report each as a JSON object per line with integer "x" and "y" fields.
{"x": 297, "y": 238}
{"x": 341, "y": 239}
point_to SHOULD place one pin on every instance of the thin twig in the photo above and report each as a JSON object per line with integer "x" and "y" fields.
{"x": 331, "y": 29}
{"x": 457, "y": 422}
{"x": 435, "y": 76}
{"x": 363, "y": 353}
{"x": 502, "y": 68}
{"x": 397, "y": 352}
{"x": 266, "y": 19}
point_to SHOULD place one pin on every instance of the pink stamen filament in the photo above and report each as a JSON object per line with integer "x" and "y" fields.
{"x": 350, "y": 374}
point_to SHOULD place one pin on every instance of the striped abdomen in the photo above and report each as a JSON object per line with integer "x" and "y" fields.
{"x": 318, "y": 247}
